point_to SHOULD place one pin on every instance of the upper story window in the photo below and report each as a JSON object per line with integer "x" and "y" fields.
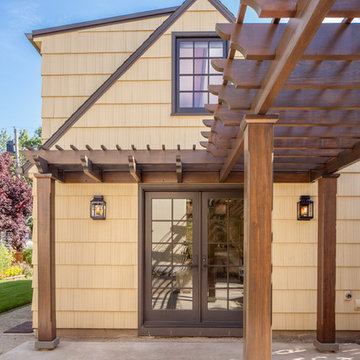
{"x": 192, "y": 72}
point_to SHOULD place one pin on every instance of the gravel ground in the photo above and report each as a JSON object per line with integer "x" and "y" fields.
{"x": 9, "y": 320}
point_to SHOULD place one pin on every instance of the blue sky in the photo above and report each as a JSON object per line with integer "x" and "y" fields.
{"x": 20, "y": 89}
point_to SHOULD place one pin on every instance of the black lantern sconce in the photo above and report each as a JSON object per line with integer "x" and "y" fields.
{"x": 305, "y": 208}
{"x": 98, "y": 208}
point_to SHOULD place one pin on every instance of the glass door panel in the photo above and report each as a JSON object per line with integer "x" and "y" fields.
{"x": 194, "y": 258}
{"x": 222, "y": 257}
{"x": 172, "y": 256}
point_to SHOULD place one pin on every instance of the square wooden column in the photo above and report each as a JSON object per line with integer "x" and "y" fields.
{"x": 46, "y": 262}
{"x": 258, "y": 196}
{"x": 325, "y": 328}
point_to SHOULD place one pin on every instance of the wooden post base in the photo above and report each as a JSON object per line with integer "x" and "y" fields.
{"x": 326, "y": 347}
{"x": 47, "y": 345}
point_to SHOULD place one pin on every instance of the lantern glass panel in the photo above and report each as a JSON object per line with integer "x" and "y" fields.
{"x": 305, "y": 208}
{"x": 98, "y": 208}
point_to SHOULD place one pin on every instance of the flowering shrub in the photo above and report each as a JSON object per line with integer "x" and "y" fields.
{"x": 11, "y": 271}
{"x": 15, "y": 203}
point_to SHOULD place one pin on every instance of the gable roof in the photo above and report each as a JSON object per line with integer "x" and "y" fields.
{"x": 125, "y": 65}
{"x": 96, "y": 23}
{"x": 104, "y": 22}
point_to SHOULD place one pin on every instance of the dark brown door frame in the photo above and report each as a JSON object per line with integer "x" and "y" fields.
{"x": 183, "y": 316}
{"x": 174, "y": 329}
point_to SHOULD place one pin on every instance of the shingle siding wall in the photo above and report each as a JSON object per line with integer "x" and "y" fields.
{"x": 97, "y": 260}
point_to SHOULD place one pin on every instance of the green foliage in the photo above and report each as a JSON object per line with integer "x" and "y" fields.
{"x": 6, "y": 257}
{"x": 26, "y": 140}
{"x": 14, "y": 293}
{"x": 27, "y": 269}
{"x": 4, "y": 138}
{"x": 27, "y": 253}
{"x": 11, "y": 272}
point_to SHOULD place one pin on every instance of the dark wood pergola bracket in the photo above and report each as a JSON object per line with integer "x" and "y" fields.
{"x": 90, "y": 169}
{"x": 179, "y": 169}
{"x": 44, "y": 167}
{"x": 134, "y": 172}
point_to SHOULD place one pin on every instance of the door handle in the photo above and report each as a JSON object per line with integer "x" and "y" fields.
{"x": 204, "y": 263}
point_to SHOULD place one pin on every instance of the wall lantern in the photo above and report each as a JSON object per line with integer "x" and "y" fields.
{"x": 305, "y": 208}
{"x": 98, "y": 208}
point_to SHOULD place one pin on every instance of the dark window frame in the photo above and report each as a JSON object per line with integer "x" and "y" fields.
{"x": 193, "y": 36}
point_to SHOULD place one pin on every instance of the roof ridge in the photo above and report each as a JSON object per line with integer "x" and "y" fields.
{"x": 104, "y": 22}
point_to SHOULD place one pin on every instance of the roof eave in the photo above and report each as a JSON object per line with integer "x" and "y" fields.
{"x": 104, "y": 22}
{"x": 30, "y": 38}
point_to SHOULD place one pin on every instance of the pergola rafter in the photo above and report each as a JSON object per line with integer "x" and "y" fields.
{"x": 305, "y": 71}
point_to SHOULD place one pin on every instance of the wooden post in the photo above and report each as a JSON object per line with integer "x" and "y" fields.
{"x": 325, "y": 329}
{"x": 258, "y": 195}
{"x": 46, "y": 262}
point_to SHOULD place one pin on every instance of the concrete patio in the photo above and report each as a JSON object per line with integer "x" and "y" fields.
{"x": 175, "y": 349}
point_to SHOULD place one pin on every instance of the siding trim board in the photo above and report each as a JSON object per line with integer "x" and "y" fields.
{"x": 121, "y": 70}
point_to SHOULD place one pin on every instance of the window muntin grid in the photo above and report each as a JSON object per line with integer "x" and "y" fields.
{"x": 194, "y": 72}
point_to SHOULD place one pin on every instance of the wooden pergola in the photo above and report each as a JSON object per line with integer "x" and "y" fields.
{"x": 288, "y": 111}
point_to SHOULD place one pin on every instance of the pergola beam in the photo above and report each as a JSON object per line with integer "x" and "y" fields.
{"x": 287, "y": 8}
{"x": 345, "y": 158}
{"x": 289, "y": 99}
{"x": 260, "y": 41}
{"x": 248, "y": 74}
{"x": 285, "y": 132}
{"x": 294, "y": 143}
{"x": 115, "y": 157}
{"x": 189, "y": 177}
{"x": 292, "y": 117}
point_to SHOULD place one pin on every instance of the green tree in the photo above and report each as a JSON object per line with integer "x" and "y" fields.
{"x": 4, "y": 138}
{"x": 26, "y": 140}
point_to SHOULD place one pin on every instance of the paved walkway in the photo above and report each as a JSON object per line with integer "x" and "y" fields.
{"x": 9, "y": 320}
{"x": 21, "y": 346}
{"x": 174, "y": 349}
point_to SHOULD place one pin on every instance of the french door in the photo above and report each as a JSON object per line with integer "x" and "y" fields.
{"x": 193, "y": 273}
